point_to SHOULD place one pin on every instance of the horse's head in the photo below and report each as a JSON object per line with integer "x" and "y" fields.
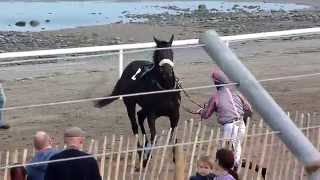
{"x": 163, "y": 60}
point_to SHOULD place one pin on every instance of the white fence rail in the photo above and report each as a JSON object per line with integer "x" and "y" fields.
{"x": 122, "y": 47}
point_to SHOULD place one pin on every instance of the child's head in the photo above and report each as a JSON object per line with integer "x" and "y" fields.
{"x": 225, "y": 158}
{"x": 204, "y": 165}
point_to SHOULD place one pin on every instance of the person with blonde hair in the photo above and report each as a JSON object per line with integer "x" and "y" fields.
{"x": 204, "y": 169}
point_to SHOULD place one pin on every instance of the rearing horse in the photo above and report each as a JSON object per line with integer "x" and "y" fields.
{"x": 145, "y": 76}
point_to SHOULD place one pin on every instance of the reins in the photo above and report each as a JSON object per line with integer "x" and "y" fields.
{"x": 188, "y": 97}
{"x": 188, "y": 110}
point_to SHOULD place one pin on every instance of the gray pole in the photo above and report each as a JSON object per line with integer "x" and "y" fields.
{"x": 271, "y": 112}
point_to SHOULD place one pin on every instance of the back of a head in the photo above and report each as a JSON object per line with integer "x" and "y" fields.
{"x": 74, "y": 136}
{"x": 41, "y": 140}
{"x": 226, "y": 160}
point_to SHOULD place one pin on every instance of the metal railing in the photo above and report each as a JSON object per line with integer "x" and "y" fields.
{"x": 123, "y": 47}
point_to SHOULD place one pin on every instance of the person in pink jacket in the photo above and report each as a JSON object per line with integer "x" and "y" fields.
{"x": 232, "y": 110}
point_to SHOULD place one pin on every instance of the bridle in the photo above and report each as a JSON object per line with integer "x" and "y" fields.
{"x": 171, "y": 64}
{"x": 177, "y": 84}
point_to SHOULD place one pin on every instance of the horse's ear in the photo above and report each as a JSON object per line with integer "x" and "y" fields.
{"x": 156, "y": 40}
{"x": 171, "y": 39}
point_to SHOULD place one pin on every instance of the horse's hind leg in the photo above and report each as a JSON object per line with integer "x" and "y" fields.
{"x": 141, "y": 116}
{"x": 131, "y": 109}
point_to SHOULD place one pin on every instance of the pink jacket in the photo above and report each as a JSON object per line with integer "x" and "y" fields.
{"x": 229, "y": 105}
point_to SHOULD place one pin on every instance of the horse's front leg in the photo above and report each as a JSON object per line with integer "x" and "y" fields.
{"x": 152, "y": 126}
{"x": 174, "y": 119}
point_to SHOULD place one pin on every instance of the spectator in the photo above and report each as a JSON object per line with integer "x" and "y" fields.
{"x": 44, "y": 151}
{"x": 2, "y": 105}
{"x": 225, "y": 161}
{"x": 204, "y": 169}
{"x": 232, "y": 110}
{"x": 79, "y": 169}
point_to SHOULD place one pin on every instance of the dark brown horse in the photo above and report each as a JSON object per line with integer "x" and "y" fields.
{"x": 146, "y": 76}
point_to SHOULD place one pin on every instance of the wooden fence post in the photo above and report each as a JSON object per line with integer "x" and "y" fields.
{"x": 210, "y": 143}
{"x": 164, "y": 153}
{"x": 245, "y": 175}
{"x": 262, "y": 159}
{"x": 110, "y": 165}
{"x": 244, "y": 144}
{"x": 90, "y": 148}
{"x": 118, "y": 159}
{"x": 156, "y": 158}
{"x": 24, "y": 156}
{"x": 7, "y": 164}
{"x": 202, "y": 137}
{"x": 190, "y": 136}
{"x": 149, "y": 158}
{"x": 126, "y": 160}
{"x": 133, "y": 158}
{"x": 103, "y": 158}
{"x": 194, "y": 149}
{"x": 142, "y": 156}
{"x": 180, "y": 163}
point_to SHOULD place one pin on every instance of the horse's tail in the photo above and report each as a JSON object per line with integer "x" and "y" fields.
{"x": 103, "y": 102}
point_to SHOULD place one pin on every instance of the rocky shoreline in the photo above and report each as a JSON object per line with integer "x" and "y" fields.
{"x": 184, "y": 25}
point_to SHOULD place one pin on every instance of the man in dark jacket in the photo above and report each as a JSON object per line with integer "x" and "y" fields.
{"x": 42, "y": 145}
{"x": 80, "y": 169}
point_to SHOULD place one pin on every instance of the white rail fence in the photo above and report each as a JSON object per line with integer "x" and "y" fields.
{"x": 124, "y": 47}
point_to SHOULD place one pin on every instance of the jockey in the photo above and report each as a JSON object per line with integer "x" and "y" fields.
{"x": 231, "y": 107}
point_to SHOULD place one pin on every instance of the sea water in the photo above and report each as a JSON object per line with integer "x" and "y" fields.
{"x": 56, "y": 15}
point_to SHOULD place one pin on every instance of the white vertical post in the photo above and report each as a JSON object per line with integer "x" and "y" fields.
{"x": 120, "y": 62}
{"x": 227, "y": 43}
{"x": 272, "y": 113}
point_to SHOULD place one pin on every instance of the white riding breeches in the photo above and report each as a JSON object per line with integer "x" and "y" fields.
{"x": 234, "y": 133}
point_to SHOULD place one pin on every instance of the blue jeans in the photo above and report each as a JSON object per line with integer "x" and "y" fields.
{"x": 2, "y": 105}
